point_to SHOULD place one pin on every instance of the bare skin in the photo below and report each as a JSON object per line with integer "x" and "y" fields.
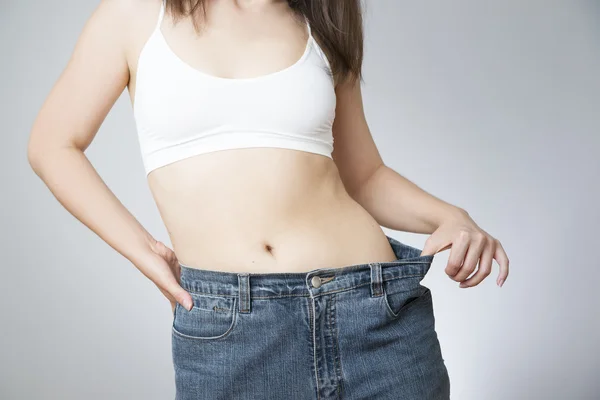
{"x": 233, "y": 210}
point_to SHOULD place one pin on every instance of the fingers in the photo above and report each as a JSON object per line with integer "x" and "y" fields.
{"x": 457, "y": 254}
{"x": 474, "y": 251}
{"x": 170, "y": 287}
{"x": 470, "y": 246}
{"x": 502, "y": 258}
{"x": 169, "y": 297}
{"x": 485, "y": 267}
{"x": 180, "y": 295}
{"x": 492, "y": 250}
{"x": 468, "y": 251}
{"x": 159, "y": 272}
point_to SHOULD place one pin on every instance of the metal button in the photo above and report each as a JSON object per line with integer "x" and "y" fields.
{"x": 316, "y": 281}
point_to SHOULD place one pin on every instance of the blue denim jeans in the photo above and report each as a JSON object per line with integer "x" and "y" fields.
{"x": 364, "y": 331}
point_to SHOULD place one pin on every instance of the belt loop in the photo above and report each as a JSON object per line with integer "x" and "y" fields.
{"x": 244, "y": 292}
{"x": 376, "y": 279}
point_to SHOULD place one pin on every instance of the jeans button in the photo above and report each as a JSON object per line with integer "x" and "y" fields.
{"x": 316, "y": 281}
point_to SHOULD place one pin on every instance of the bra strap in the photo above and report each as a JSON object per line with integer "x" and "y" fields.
{"x": 308, "y": 27}
{"x": 160, "y": 14}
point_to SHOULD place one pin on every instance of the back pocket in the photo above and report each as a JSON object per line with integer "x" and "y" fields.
{"x": 211, "y": 317}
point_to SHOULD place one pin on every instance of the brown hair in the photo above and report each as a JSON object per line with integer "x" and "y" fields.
{"x": 335, "y": 24}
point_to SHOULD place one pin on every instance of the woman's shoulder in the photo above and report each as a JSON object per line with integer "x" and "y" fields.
{"x": 127, "y": 16}
{"x": 129, "y": 22}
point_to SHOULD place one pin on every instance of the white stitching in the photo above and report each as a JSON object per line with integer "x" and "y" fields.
{"x": 227, "y": 332}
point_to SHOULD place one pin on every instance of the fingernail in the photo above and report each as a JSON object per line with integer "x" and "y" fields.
{"x": 501, "y": 282}
{"x": 187, "y": 304}
{"x": 462, "y": 285}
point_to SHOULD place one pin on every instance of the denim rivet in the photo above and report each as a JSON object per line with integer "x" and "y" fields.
{"x": 316, "y": 281}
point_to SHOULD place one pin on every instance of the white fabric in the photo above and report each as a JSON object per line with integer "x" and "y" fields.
{"x": 181, "y": 112}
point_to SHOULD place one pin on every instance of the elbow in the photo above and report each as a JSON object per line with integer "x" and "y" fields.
{"x": 34, "y": 155}
{"x": 43, "y": 154}
{"x": 356, "y": 191}
{"x": 38, "y": 154}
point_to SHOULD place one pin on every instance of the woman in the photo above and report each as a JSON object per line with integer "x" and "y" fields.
{"x": 282, "y": 283}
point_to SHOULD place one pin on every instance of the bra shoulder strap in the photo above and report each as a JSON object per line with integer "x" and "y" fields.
{"x": 316, "y": 45}
{"x": 308, "y": 28}
{"x": 161, "y": 14}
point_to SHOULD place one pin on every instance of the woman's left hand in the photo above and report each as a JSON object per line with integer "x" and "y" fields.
{"x": 469, "y": 245}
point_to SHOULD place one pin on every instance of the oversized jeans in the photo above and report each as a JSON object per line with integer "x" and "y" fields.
{"x": 364, "y": 331}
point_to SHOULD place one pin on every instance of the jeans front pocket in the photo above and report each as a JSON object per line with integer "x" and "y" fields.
{"x": 211, "y": 317}
{"x": 402, "y": 293}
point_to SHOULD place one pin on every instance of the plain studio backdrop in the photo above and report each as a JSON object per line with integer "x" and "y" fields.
{"x": 491, "y": 106}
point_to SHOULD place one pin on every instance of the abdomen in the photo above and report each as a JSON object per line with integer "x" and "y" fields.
{"x": 264, "y": 210}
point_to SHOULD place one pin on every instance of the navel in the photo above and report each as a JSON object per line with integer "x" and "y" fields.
{"x": 268, "y": 248}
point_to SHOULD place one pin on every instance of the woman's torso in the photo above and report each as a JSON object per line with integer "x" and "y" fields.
{"x": 254, "y": 209}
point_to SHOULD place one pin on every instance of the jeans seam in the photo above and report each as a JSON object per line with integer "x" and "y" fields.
{"x": 337, "y": 348}
{"x": 312, "y": 313}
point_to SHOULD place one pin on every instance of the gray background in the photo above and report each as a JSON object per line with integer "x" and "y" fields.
{"x": 492, "y": 106}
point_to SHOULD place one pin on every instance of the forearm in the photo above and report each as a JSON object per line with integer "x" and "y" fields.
{"x": 399, "y": 204}
{"x": 77, "y": 186}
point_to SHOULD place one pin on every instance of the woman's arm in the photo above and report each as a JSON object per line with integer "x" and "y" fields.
{"x": 65, "y": 126}
{"x": 399, "y": 204}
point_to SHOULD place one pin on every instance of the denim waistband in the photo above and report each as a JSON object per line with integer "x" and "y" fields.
{"x": 284, "y": 284}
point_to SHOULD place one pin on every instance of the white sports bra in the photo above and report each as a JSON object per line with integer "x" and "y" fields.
{"x": 180, "y": 111}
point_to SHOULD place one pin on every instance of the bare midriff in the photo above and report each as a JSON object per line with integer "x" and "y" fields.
{"x": 264, "y": 210}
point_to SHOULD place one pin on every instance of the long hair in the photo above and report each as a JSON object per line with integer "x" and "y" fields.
{"x": 336, "y": 25}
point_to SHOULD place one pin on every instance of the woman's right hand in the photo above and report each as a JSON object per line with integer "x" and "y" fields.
{"x": 162, "y": 268}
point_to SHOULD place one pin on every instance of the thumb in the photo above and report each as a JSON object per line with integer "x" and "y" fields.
{"x": 182, "y": 296}
{"x": 434, "y": 244}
